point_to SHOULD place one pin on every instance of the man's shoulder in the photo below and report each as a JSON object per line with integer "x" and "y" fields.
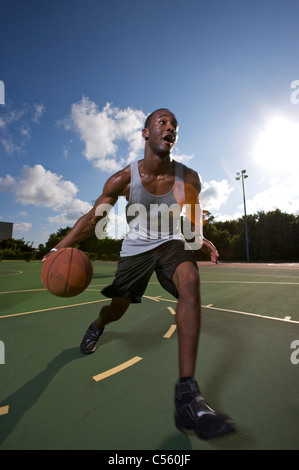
{"x": 191, "y": 176}
{"x": 122, "y": 174}
{"x": 119, "y": 182}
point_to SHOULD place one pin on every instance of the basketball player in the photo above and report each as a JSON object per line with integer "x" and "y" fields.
{"x": 158, "y": 181}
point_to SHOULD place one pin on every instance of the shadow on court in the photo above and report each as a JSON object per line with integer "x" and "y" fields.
{"x": 25, "y": 397}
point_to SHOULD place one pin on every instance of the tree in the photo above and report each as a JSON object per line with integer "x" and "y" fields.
{"x": 273, "y": 236}
{"x": 105, "y": 248}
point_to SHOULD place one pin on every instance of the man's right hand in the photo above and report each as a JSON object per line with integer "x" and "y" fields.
{"x": 48, "y": 254}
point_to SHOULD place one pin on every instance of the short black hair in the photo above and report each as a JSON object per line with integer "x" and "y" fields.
{"x": 148, "y": 119}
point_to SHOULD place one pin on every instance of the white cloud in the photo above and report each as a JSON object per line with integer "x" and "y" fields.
{"x": 183, "y": 158}
{"x": 21, "y": 214}
{"x": 112, "y": 137}
{"x": 39, "y": 110}
{"x": 214, "y": 194}
{"x": 65, "y": 152}
{"x": 71, "y": 212}
{"x": 10, "y": 117}
{"x": 15, "y": 126}
{"x": 22, "y": 227}
{"x": 225, "y": 218}
{"x": 281, "y": 194}
{"x": 117, "y": 224}
{"x": 41, "y": 187}
{"x": 102, "y": 131}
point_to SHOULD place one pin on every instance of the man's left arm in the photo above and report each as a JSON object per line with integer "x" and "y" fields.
{"x": 210, "y": 249}
{"x": 192, "y": 192}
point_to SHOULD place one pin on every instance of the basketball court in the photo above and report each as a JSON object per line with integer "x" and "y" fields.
{"x": 122, "y": 397}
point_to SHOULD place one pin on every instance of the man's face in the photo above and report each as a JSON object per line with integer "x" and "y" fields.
{"x": 161, "y": 132}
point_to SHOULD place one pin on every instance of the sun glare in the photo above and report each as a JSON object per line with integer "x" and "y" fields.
{"x": 277, "y": 148}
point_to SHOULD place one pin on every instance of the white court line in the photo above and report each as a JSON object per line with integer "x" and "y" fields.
{"x": 158, "y": 298}
{"x": 286, "y": 319}
{"x": 252, "y": 282}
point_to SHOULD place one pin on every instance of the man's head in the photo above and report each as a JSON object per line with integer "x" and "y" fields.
{"x": 149, "y": 118}
{"x": 160, "y": 131}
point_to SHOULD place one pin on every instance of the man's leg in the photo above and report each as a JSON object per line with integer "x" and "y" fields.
{"x": 109, "y": 313}
{"x": 192, "y": 411}
{"x": 188, "y": 316}
{"x": 112, "y": 312}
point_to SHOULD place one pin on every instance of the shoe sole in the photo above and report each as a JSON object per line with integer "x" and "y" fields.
{"x": 91, "y": 351}
{"x": 227, "y": 427}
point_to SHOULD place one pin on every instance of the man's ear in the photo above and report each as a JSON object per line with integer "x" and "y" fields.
{"x": 145, "y": 133}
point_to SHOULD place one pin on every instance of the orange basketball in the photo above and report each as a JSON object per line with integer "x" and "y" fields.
{"x": 66, "y": 272}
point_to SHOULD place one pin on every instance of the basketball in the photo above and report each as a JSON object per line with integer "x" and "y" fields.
{"x": 66, "y": 272}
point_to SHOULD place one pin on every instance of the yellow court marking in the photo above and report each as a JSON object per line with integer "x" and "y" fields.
{"x": 117, "y": 369}
{"x": 4, "y": 410}
{"x": 172, "y": 311}
{"x": 155, "y": 299}
{"x": 43, "y": 289}
{"x": 52, "y": 308}
{"x": 168, "y": 300}
{"x": 11, "y": 274}
{"x": 170, "y": 331}
{"x": 22, "y": 291}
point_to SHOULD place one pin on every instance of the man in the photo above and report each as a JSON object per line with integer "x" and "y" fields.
{"x": 154, "y": 182}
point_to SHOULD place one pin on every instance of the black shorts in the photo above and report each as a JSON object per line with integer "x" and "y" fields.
{"x": 134, "y": 272}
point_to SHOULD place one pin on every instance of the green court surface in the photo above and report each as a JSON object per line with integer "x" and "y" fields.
{"x": 122, "y": 397}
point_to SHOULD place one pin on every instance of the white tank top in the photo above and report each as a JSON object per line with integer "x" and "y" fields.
{"x": 152, "y": 220}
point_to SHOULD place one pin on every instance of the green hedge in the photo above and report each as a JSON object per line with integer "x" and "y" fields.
{"x": 27, "y": 256}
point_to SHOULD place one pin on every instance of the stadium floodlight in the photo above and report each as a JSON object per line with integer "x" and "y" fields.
{"x": 241, "y": 175}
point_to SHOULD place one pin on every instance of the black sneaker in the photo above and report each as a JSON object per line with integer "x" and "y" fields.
{"x": 193, "y": 413}
{"x": 89, "y": 342}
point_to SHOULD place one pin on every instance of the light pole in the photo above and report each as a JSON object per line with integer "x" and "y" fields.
{"x": 242, "y": 175}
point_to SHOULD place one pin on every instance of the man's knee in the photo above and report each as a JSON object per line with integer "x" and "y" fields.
{"x": 186, "y": 279}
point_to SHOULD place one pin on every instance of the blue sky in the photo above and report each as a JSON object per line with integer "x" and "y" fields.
{"x": 80, "y": 77}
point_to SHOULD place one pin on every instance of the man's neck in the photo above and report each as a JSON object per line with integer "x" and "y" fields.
{"x": 157, "y": 165}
